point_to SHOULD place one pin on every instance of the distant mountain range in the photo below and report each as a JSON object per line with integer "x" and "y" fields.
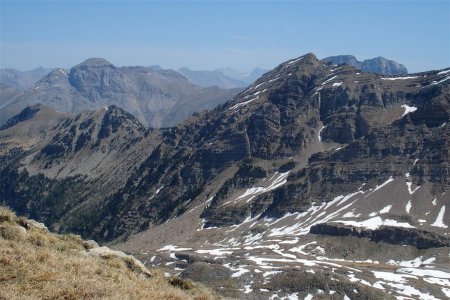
{"x": 22, "y": 80}
{"x": 13, "y": 81}
{"x": 223, "y": 78}
{"x": 379, "y": 65}
{"x": 156, "y": 97}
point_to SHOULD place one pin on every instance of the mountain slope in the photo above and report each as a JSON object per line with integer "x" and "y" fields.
{"x": 379, "y": 65}
{"x": 148, "y": 94}
{"x": 21, "y": 80}
{"x": 267, "y": 180}
{"x": 39, "y": 264}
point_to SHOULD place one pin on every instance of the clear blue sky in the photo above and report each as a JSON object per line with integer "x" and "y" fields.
{"x": 213, "y": 34}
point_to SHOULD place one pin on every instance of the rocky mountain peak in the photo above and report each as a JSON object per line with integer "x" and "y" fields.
{"x": 56, "y": 76}
{"x": 95, "y": 62}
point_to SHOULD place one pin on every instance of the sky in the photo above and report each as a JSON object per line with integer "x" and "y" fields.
{"x": 213, "y": 34}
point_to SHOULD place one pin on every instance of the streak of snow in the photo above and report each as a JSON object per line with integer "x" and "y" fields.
{"x": 173, "y": 248}
{"x": 380, "y": 186}
{"x": 337, "y": 84}
{"x": 409, "y": 184}
{"x": 440, "y": 219}
{"x": 410, "y": 291}
{"x": 270, "y": 273}
{"x": 408, "y": 206}
{"x": 295, "y": 60}
{"x": 408, "y": 109}
{"x": 439, "y": 281}
{"x": 239, "y": 273}
{"x": 320, "y": 131}
{"x": 217, "y": 252}
{"x": 328, "y": 80}
{"x": 444, "y": 72}
{"x": 400, "y": 278}
{"x": 417, "y": 262}
{"x": 440, "y": 81}
{"x": 247, "y": 289}
{"x": 400, "y": 78}
{"x": 277, "y": 180}
{"x": 207, "y": 201}
{"x": 425, "y": 272}
{"x": 236, "y": 106}
{"x": 375, "y": 223}
{"x": 386, "y": 209}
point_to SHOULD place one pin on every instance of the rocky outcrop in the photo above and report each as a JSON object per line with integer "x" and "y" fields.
{"x": 24, "y": 115}
{"x": 420, "y": 239}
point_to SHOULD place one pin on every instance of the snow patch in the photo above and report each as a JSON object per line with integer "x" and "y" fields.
{"x": 173, "y": 248}
{"x": 328, "y": 80}
{"x": 408, "y": 206}
{"x": 375, "y": 223}
{"x": 440, "y": 219}
{"x": 320, "y": 131}
{"x": 378, "y": 187}
{"x": 277, "y": 180}
{"x": 386, "y": 209}
{"x": 399, "y": 78}
{"x": 411, "y": 191}
{"x": 440, "y": 81}
{"x": 408, "y": 109}
{"x": 295, "y": 60}
{"x": 236, "y": 106}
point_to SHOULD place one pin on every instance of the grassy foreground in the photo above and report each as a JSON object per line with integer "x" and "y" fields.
{"x": 37, "y": 264}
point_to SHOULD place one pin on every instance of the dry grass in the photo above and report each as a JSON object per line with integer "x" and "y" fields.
{"x": 36, "y": 264}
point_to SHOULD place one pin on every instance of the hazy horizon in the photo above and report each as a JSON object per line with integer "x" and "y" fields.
{"x": 207, "y": 35}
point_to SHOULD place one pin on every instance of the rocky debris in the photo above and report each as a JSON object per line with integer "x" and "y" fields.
{"x": 378, "y": 65}
{"x": 30, "y": 223}
{"x": 420, "y": 239}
